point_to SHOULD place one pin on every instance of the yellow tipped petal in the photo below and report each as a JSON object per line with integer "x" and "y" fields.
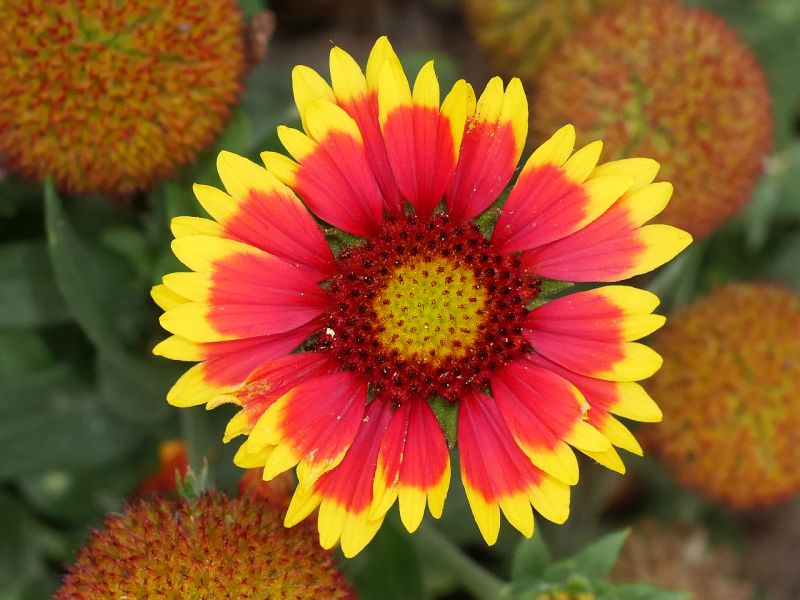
{"x": 515, "y": 111}
{"x": 619, "y": 435}
{"x": 240, "y": 175}
{"x": 246, "y": 460}
{"x": 346, "y": 77}
{"x": 165, "y": 298}
{"x": 457, "y": 106}
{"x": 282, "y": 167}
{"x": 490, "y": 103}
{"x": 215, "y": 202}
{"x": 580, "y": 165}
{"x": 560, "y": 462}
{"x": 357, "y": 532}
{"x": 194, "y": 286}
{"x": 239, "y": 424}
{"x": 190, "y": 321}
{"x": 641, "y": 170}
{"x": 426, "y": 87}
{"x": 554, "y": 151}
{"x": 393, "y": 91}
{"x": 181, "y": 226}
{"x": 609, "y": 459}
{"x": 517, "y": 509}
{"x": 322, "y": 118}
{"x": 303, "y": 503}
{"x": 664, "y": 243}
{"x": 551, "y": 499}
{"x": 438, "y": 494}
{"x": 330, "y": 523}
{"x": 487, "y": 516}
{"x": 585, "y": 437}
{"x": 178, "y": 348}
{"x": 635, "y": 403}
{"x": 309, "y": 85}
{"x": 297, "y": 143}
{"x": 192, "y": 389}
{"x": 381, "y": 52}
{"x": 412, "y": 502}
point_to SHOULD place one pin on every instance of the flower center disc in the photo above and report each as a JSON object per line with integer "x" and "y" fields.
{"x": 426, "y": 309}
{"x": 430, "y": 310}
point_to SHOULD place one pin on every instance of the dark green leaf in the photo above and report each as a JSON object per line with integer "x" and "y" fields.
{"x": 388, "y": 569}
{"x": 595, "y": 561}
{"x": 28, "y": 292}
{"x": 51, "y": 421}
{"x": 531, "y": 558}
{"x": 135, "y": 389}
{"x": 98, "y": 287}
{"x": 22, "y": 353}
{"x": 642, "y": 591}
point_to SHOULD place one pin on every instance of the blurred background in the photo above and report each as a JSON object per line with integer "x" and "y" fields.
{"x": 109, "y": 111}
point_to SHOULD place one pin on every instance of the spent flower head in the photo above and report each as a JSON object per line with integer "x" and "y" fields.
{"x": 109, "y": 97}
{"x": 653, "y": 78}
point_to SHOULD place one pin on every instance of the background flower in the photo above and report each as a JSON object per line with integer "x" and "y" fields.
{"x": 655, "y": 79}
{"x": 110, "y": 98}
{"x": 729, "y": 386}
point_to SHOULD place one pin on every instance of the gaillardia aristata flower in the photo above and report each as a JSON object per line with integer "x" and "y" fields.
{"x": 215, "y": 549}
{"x": 654, "y": 78}
{"x": 109, "y": 97}
{"x": 519, "y": 35}
{"x": 730, "y": 388}
{"x": 335, "y": 358}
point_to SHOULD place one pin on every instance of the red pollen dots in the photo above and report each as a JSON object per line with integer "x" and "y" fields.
{"x": 426, "y": 308}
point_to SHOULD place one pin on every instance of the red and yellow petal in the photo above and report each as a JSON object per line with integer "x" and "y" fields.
{"x": 344, "y": 494}
{"x": 545, "y": 413}
{"x": 555, "y": 196}
{"x": 616, "y": 245}
{"x": 590, "y": 332}
{"x": 262, "y": 212}
{"x": 497, "y": 475}
{"x": 269, "y": 381}
{"x": 610, "y": 313}
{"x": 490, "y": 149}
{"x": 413, "y": 465}
{"x": 422, "y": 141}
{"x": 225, "y": 365}
{"x": 312, "y": 425}
{"x": 237, "y": 291}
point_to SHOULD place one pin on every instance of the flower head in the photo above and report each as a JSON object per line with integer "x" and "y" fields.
{"x": 172, "y": 461}
{"x": 519, "y": 35}
{"x": 730, "y": 388}
{"x": 216, "y": 548}
{"x": 657, "y": 79}
{"x": 110, "y": 97}
{"x": 679, "y": 557}
{"x": 335, "y": 359}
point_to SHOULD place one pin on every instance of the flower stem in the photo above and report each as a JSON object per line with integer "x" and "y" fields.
{"x": 193, "y": 431}
{"x": 434, "y": 546}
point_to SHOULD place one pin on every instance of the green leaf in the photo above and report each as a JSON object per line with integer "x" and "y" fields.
{"x": 447, "y": 414}
{"x": 642, "y": 591}
{"x": 595, "y": 561}
{"x": 135, "y": 389}
{"x": 28, "y": 292}
{"x": 51, "y": 421}
{"x": 97, "y": 286}
{"x": 388, "y": 569}
{"x": 551, "y": 287}
{"x": 531, "y": 559}
{"x": 22, "y": 353}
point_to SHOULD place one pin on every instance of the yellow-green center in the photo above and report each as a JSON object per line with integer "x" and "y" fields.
{"x": 431, "y": 310}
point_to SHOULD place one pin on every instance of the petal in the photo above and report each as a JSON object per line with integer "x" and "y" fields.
{"x": 363, "y": 108}
{"x": 308, "y": 85}
{"x": 544, "y": 412}
{"x": 165, "y": 298}
{"x": 497, "y": 130}
{"x": 413, "y": 464}
{"x": 344, "y": 494}
{"x": 228, "y": 364}
{"x": 266, "y": 214}
{"x": 334, "y": 178}
{"x": 615, "y": 246}
{"x": 421, "y": 142}
{"x": 312, "y": 424}
{"x": 624, "y": 398}
{"x": 272, "y": 379}
{"x": 239, "y": 291}
{"x": 552, "y": 197}
{"x": 611, "y": 313}
{"x": 181, "y": 226}
{"x": 498, "y": 476}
